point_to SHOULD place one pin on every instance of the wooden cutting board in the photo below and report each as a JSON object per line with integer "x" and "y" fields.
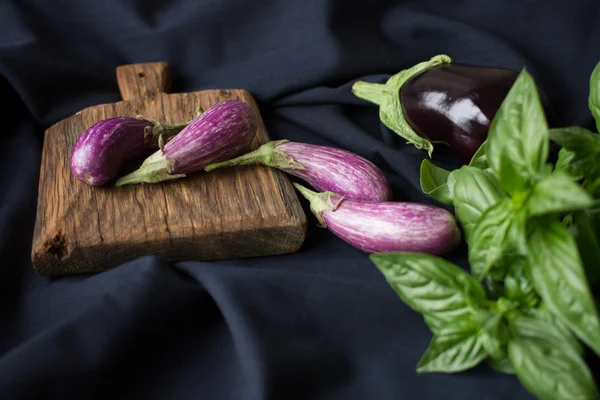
{"x": 230, "y": 213}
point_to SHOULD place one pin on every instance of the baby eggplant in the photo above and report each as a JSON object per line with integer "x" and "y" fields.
{"x": 383, "y": 226}
{"x": 103, "y": 150}
{"x": 323, "y": 167}
{"x": 223, "y": 131}
{"x": 438, "y": 101}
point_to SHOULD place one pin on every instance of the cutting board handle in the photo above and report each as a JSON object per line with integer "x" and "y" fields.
{"x": 143, "y": 81}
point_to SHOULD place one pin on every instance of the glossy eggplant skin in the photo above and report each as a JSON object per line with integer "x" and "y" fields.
{"x": 455, "y": 104}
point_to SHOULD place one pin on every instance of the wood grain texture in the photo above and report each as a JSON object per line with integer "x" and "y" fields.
{"x": 229, "y": 213}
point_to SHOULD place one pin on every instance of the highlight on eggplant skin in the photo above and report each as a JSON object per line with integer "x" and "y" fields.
{"x": 104, "y": 148}
{"x": 455, "y": 104}
{"x": 224, "y": 130}
{"x": 325, "y": 168}
{"x": 375, "y": 227}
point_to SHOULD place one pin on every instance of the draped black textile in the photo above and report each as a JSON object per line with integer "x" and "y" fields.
{"x": 318, "y": 324}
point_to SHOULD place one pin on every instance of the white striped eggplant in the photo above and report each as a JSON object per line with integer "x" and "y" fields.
{"x": 223, "y": 131}
{"x": 375, "y": 227}
{"x": 106, "y": 147}
{"x": 325, "y": 168}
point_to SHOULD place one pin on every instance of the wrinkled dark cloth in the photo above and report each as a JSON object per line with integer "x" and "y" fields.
{"x": 318, "y": 324}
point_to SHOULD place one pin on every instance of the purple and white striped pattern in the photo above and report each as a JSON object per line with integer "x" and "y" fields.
{"x": 329, "y": 169}
{"x": 393, "y": 226}
{"x": 224, "y": 130}
{"x": 103, "y": 149}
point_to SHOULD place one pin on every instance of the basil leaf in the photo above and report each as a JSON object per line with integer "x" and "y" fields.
{"x": 588, "y": 243}
{"x": 585, "y": 145}
{"x": 454, "y": 348}
{"x": 557, "y": 193}
{"x": 560, "y": 280}
{"x": 563, "y": 336}
{"x": 492, "y": 332}
{"x": 517, "y": 283}
{"x": 567, "y": 163}
{"x": 594, "y": 97}
{"x": 479, "y": 159}
{"x": 576, "y": 138}
{"x": 433, "y": 181}
{"x": 518, "y": 137}
{"x": 546, "y": 368}
{"x": 502, "y": 365}
{"x": 430, "y": 285}
{"x": 499, "y": 233}
{"x": 433, "y": 323}
{"x": 475, "y": 191}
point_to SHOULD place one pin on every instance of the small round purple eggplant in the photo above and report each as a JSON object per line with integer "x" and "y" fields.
{"x": 323, "y": 167}
{"x": 106, "y": 147}
{"x": 375, "y": 227}
{"x": 223, "y": 131}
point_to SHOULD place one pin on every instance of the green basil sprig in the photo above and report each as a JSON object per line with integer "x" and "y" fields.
{"x": 509, "y": 202}
{"x": 542, "y": 353}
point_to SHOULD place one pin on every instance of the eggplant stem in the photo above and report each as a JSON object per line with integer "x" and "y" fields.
{"x": 319, "y": 202}
{"x": 267, "y": 155}
{"x": 372, "y": 92}
{"x": 156, "y": 168}
{"x": 164, "y": 132}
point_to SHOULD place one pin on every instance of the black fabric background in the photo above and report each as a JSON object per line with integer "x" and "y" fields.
{"x": 318, "y": 324}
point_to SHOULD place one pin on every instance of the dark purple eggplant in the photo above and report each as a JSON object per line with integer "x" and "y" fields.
{"x": 106, "y": 147}
{"x": 383, "y": 226}
{"x": 325, "y": 168}
{"x": 223, "y": 131}
{"x": 440, "y": 101}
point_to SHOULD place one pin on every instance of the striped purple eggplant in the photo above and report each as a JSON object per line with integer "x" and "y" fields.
{"x": 373, "y": 226}
{"x": 106, "y": 147}
{"x": 324, "y": 168}
{"x": 224, "y": 130}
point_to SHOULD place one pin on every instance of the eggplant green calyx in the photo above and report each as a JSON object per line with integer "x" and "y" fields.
{"x": 156, "y": 168}
{"x": 387, "y": 96}
{"x": 320, "y": 202}
{"x": 161, "y": 133}
{"x": 267, "y": 154}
